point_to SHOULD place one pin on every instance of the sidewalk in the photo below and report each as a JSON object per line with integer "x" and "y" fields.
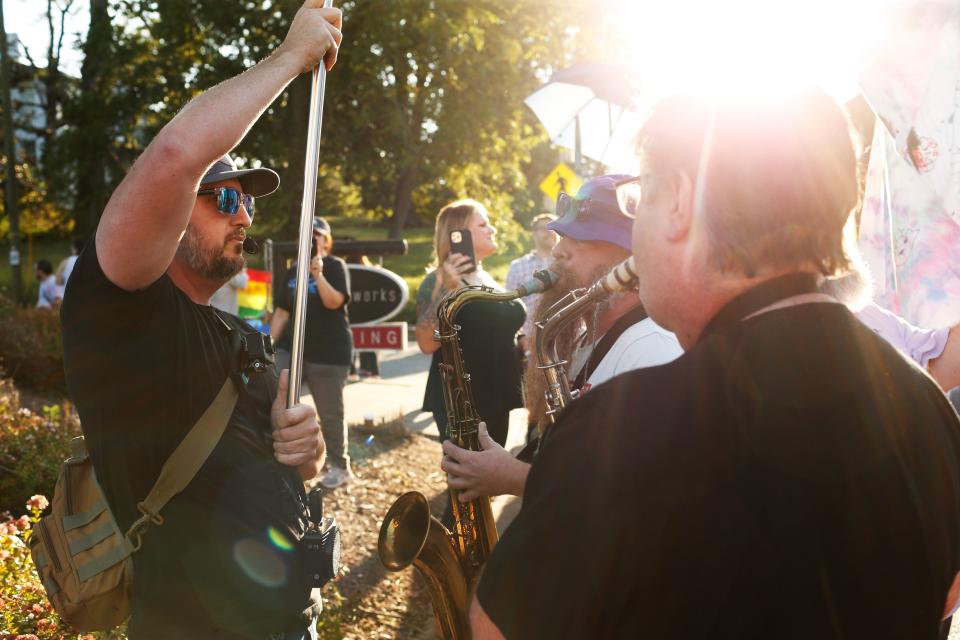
{"x": 399, "y": 392}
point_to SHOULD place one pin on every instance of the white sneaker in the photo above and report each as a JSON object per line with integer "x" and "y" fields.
{"x": 336, "y": 476}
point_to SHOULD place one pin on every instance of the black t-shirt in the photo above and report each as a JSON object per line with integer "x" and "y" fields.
{"x": 790, "y": 476}
{"x": 326, "y": 333}
{"x": 488, "y": 341}
{"x": 141, "y": 368}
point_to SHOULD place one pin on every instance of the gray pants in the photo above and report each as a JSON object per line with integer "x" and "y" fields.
{"x": 325, "y": 382}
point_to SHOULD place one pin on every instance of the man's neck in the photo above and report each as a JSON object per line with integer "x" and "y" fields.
{"x": 197, "y": 288}
{"x": 713, "y": 296}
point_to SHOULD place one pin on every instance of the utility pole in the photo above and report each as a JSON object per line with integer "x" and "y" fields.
{"x": 9, "y": 149}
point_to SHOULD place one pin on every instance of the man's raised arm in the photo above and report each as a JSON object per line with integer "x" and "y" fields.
{"x": 148, "y": 213}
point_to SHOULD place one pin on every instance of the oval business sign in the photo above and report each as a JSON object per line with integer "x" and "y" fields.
{"x": 376, "y": 294}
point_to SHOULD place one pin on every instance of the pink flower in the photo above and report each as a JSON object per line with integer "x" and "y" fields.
{"x": 27, "y": 636}
{"x": 22, "y": 523}
{"x": 38, "y": 503}
{"x": 45, "y": 623}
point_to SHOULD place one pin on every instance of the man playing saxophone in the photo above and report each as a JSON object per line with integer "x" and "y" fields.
{"x": 614, "y": 335}
{"x": 791, "y": 475}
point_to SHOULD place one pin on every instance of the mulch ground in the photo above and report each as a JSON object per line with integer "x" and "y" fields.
{"x": 367, "y": 601}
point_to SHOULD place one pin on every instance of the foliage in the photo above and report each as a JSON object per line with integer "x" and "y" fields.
{"x": 32, "y": 446}
{"x": 30, "y": 348}
{"x": 425, "y": 105}
{"x": 39, "y": 214}
{"x": 25, "y": 612}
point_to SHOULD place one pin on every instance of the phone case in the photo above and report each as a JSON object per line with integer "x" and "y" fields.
{"x": 461, "y": 241}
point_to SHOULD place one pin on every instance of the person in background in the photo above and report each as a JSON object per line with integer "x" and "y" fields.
{"x": 65, "y": 268}
{"x": 935, "y": 350}
{"x": 488, "y": 329}
{"x": 327, "y": 344}
{"x": 523, "y": 268}
{"x": 50, "y": 294}
{"x": 225, "y": 298}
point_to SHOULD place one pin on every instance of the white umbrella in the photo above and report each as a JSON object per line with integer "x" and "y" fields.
{"x": 590, "y": 108}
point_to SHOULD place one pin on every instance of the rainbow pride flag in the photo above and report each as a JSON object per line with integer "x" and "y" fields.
{"x": 252, "y": 299}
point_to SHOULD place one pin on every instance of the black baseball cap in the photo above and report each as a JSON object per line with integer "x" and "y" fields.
{"x": 257, "y": 182}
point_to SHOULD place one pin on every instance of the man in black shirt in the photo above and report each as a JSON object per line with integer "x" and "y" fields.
{"x": 145, "y": 355}
{"x": 791, "y": 475}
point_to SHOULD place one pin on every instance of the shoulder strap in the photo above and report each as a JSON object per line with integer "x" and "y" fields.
{"x": 633, "y": 316}
{"x": 186, "y": 460}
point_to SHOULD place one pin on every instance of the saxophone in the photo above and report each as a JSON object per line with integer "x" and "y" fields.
{"x": 450, "y": 561}
{"x": 568, "y": 309}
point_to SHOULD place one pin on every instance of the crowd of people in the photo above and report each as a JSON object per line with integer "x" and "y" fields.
{"x": 746, "y": 455}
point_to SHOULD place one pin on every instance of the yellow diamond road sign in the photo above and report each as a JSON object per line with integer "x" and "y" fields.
{"x": 562, "y": 178}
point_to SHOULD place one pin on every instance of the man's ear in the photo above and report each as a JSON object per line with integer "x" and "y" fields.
{"x": 679, "y": 191}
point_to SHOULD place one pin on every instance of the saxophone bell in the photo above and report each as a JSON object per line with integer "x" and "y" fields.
{"x": 450, "y": 561}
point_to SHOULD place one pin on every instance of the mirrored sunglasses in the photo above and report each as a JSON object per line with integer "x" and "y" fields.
{"x": 229, "y": 200}
{"x": 569, "y": 208}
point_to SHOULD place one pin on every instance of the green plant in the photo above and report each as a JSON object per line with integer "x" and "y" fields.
{"x": 32, "y": 446}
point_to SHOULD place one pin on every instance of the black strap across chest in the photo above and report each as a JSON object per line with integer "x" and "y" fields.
{"x": 633, "y": 316}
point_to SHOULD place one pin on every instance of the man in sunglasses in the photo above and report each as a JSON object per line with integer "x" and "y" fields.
{"x": 614, "y": 336}
{"x": 145, "y": 355}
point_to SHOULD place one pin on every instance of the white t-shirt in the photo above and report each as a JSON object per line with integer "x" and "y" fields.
{"x": 644, "y": 344}
{"x": 49, "y": 293}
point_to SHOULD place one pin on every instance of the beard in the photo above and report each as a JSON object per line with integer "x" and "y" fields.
{"x": 209, "y": 261}
{"x": 581, "y": 331}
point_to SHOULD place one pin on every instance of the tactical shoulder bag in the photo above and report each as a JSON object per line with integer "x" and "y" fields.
{"x": 82, "y": 556}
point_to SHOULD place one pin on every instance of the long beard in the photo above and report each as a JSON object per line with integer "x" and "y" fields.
{"x": 581, "y": 331}
{"x": 209, "y": 262}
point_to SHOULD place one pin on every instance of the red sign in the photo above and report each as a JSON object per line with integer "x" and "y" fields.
{"x": 390, "y": 336}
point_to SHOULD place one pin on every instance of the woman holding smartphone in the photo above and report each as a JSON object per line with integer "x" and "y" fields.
{"x": 488, "y": 329}
{"x": 327, "y": 344}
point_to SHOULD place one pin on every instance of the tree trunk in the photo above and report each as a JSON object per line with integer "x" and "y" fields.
{"x": 93, "y": 188}
{"x": 9, "y": 149}
{"x": 403, "y": 199}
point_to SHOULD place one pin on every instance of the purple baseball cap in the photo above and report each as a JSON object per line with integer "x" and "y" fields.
{"x": 594, "y": 213}
{"x": 257, "y": 182}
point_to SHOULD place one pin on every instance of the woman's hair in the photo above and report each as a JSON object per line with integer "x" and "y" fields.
{"x": 455, "y": 215}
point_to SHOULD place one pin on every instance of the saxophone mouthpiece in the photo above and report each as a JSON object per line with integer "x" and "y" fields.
{"x": 540, "y": 282}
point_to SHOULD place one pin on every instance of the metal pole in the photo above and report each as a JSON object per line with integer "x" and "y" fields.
{"x": 307, "y": 207}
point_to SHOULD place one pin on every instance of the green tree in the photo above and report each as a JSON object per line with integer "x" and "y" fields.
{"x": 427, "y": 103}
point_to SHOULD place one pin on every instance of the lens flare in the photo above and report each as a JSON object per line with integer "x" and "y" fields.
{"x": 279, "y": 540}
{"x": 369, "y": 440}
{"x": 260, "y": 563}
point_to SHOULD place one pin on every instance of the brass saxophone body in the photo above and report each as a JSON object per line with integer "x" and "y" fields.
{"x": 450, "y": 561}
{"x": 568, "y": 309}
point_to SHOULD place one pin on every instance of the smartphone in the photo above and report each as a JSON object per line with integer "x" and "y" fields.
{"x": 462, "y": 242}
